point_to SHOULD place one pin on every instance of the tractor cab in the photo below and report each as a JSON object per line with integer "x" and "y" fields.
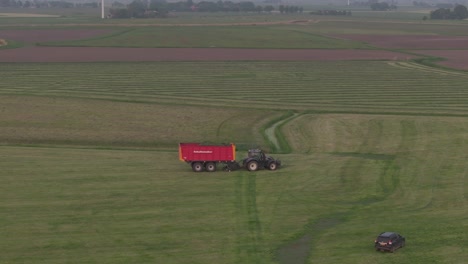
{"x": 256, "y": 153}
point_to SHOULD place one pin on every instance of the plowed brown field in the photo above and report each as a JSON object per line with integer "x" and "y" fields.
{"x": 454, "y": 49}
{"x": 425, "y": 45}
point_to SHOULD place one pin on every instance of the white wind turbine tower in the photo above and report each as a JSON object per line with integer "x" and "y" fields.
{"x": 102, "y": 9}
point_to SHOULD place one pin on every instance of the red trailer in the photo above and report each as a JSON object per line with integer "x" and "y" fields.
{"x": 206, "y": 157}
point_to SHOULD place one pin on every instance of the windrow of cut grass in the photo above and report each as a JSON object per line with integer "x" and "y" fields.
{"x": 351, "y": 86}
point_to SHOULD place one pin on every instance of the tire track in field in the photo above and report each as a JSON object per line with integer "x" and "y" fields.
{"x": 249, "y": 239}
{"x": 272, "y": 132}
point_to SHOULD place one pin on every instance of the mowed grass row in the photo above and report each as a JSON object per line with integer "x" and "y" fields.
{"x": 39, "y": 120}
{"x": 350, "y": 177}
{"x": 215, "y": 36}
{"x": 352, "y": 86}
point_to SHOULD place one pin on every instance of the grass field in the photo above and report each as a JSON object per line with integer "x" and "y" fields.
{"x": 90, "y": 170}
{"x": 346, "y": 175}
{"x": 215, "y": 36}
{"x": 358, "y": 176}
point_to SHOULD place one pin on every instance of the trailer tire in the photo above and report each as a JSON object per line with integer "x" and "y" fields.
{"x": 272, "y": 166}
{"x": 252, "y": 165}
{"x": 197, "y": 167}
{"x": 210, "y": 166}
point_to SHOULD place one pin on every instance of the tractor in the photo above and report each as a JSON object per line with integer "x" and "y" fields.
{"x": 257, "y": 159}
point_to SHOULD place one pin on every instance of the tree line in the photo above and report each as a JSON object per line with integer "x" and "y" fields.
{"x": 331, "y": 12}
{"x": 458, "y": 12}
{"x": 161, "y": 8}
{"x": 382, "y": 6}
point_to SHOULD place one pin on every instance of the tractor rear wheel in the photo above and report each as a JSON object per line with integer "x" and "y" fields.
{"x": 252, "y": 165}
{"x": 272, "y": 166}
{"x": 210, "y": 166}
{"x": 197, "y": 167}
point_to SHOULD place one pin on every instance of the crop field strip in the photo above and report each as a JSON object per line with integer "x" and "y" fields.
{"x": 335, "y": 86}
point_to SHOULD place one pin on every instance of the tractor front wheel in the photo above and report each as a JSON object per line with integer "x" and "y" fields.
{"x": 272, "y": 166}
{"x": 252, "y": 165}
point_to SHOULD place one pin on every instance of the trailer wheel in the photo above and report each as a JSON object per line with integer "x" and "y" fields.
{"x": 197, "y": 167}
{"x": 210, "y": 166}
{"x": 272, "y": 166}
{"x": 252, "y": 165}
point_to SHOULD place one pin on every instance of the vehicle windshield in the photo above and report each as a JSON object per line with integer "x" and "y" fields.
{"x": 254, "y": 153}
{"x": 383, "y": 239}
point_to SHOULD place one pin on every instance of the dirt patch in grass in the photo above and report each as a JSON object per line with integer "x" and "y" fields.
{"x": 3, "y": 42}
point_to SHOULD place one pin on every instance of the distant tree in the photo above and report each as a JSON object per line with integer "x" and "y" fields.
{"x": 247, "y": 6}
{"x": 441, "y": 13}
{"x": 137, "y": 8}
{"x": 460, "y": 12}
{"x": 117, "y": 4}
{"x": 268, "y": 8}
{"x": 61, "y": 4}
{"x": 4, "y": 3}
{"x": 157, "y": 8}
{"x": 380, "y": 6}
{"x": 206, "y": 6}
{"x": 281, "y": 9}
{"x": 119, "y": 13}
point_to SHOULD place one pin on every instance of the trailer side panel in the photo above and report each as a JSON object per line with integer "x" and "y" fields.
{"x": 189, "y": 152}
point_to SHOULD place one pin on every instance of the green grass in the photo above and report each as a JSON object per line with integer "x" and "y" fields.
{"x": 71, "y": 205}
{"x": 90, "y": 172}
{"x": 318, "y": 35}
{"x": 215, "y": 36}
